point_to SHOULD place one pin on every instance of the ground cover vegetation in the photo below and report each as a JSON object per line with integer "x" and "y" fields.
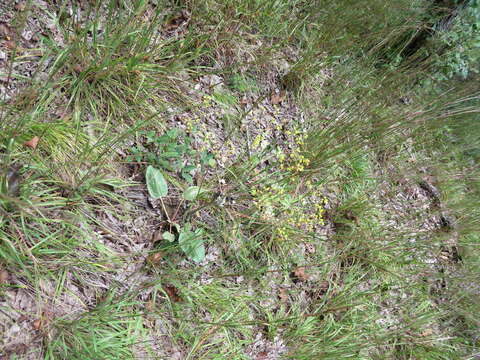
{"x": 248, "y": 179}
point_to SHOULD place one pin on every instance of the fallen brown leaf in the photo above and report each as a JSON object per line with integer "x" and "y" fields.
{"x": 155, "y": 258}
{"x": 176, "y": 21}
{"x": 9, "y": 44}
{"x": 324, "y": 286}
{"x": 21, "y": 6}
{"x": 277, "y": 98}
{"x": 172, "y": 293}
{"x": 32, "y": 143}
{"x": 427, "y": 332}
{"x": 299, "y": 272}
{"x": 5, "y": 31}
{"x": 77, "y": 68}
{"x": 37, "y": 324}
{"x": 157, "y": 235}
{"x": 263, "y": 355}
{"x": 322, "y": 289}
{"x": 150, "y": 305}
{"x": 283, "y": 295}
{"x": 4, "y": 277}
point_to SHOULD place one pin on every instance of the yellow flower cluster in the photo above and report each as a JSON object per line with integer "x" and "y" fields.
{"x": 207, "y": 101}
{"x": 302, "y": 216}
{"x": 296, "y": 160}
{"x": 257, "y": 141}
{"x": 287, "y": 213}
{"x": 191, "y": 124}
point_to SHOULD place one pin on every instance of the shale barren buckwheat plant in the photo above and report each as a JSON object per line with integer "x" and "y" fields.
{"x": 248, "y": 179}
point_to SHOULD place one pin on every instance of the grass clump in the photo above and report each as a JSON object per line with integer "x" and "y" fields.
{"x": 108, "y": 331}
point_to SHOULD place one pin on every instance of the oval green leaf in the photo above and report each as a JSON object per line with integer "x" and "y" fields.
{"x": 191, "y": 193}
{"x": 212, "y": 162}
{"x": 156, "y": 184}
{"x": 168, "y": 236}
{"x": 192, "y": 244}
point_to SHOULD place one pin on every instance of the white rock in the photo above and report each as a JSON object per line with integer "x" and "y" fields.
{"x": 27, "y": 35}
{"x": 14, "y": 329}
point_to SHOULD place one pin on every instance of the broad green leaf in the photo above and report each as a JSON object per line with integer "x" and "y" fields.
{"x": 189, "y": 168}
{"x": 168, "y": 236}
{"x": 170, "y": 155}
{"x": 156, "y": 184}
{"x": 192, "y": 245}
{"x": 188, "y": 178}
{"x": 192, "y": 192}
